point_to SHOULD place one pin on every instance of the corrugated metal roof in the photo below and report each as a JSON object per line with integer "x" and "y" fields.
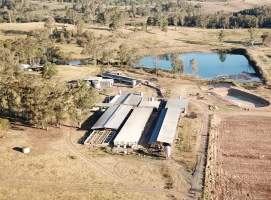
{"x": 177, "y": 104}
{"x": 113, "y": 117}
{"x": 131, "y": 132}
{"x": 118, "y": 117}
{"x": 153, "y": 104}
{"x": 166, "y": 126}
{"x": 133, "y": 99}
{"x": 128, "y": 99}
{"x": 105, "y": 117}
{"x": 119, "y": 99}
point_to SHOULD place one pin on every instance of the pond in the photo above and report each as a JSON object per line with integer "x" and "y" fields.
{"x": 204, "y": 65}
{"x": 246, "y": 98}
{"x": 75, "y": 62}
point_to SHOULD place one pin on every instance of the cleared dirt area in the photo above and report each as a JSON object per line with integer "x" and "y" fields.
{"x": 239, "y": 157}
{"x": 60, "y": 168}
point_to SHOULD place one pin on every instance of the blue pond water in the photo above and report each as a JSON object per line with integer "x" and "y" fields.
{"x": 205, "y": 65}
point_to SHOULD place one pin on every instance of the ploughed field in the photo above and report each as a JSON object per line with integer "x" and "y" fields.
{"x": 240, "y": 158}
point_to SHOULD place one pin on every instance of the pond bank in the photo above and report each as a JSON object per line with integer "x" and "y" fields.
{"x": 253, "y": 61}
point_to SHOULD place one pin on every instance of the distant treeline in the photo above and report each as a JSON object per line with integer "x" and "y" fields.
{"x": 117, "y": 13}
{"x": 192, "y": 17}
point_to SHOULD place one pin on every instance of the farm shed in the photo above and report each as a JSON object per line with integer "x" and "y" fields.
{"x": 103, "y": 83}
{"x": 166, "y": 126}
{"x": 120, "y": 78}
{"x": 113, "y": 117}
{"x": 99, "y": 82}
{"x": 134, "y": 127}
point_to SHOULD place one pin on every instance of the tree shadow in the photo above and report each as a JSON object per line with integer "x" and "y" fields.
{"x": 83, "y": 138}
{"x": 233, "y": 42}
{"x": 15, "y": 32}
{"x": 191, "y": 42}
{"x": 99, "y": 28}
{"x": 90, "y": 121}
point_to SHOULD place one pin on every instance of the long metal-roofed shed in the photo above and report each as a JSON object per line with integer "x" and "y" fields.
{"x": 166, "y": 126}
{"x": 134, "y": 127}
{"x": 120, "y": 78}
{"x": 113, "y": 117}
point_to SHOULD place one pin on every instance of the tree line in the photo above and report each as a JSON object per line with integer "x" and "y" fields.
{"x": 116, "y": 14}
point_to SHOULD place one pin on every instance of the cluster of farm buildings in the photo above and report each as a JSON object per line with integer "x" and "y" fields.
{"x": 132, "y": 121}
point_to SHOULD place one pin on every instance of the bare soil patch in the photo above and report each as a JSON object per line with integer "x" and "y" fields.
{"x": 239, "y": 157}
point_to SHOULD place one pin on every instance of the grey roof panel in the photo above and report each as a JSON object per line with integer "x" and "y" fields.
{"x": 119, "y": 99}
{"x": 132, "y": 130}
{"x": 113, "y": 117}
{"x": 153, "y": 104}
{"x": 105, "y": 117}
{"x": 177, "y": 103}
{"x": 118, "y": 117}
{"x": 166, "y": 126}
{"x": 168, "y": 129}
{"x": 133, "y": 99}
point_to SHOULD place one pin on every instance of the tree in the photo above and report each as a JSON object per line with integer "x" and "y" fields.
{"x": 107, "y": 55}
{"x": 49, "y": 24}
{"x": 164, "y": 23}
{"x": 49, "y": 70}
{"x": 82, "y": 98}
{"x": 194, "y": 66}
{"x": 266, "y": 39}
{"x": 92, "y": 47}
{"x": 79, "y": 27}
{"x": 117, "y": 19}
{"x": 222, "y": 55}
{"x": 252, "y": 35}
{"x": 125, "y": 54}
{"x": 176, "y": 63}
{"x": 221, "y": 35}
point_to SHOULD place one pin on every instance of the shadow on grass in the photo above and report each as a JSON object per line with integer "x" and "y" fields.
{"x": 233, "y": 42}
{"x": 193, "y": 42}
{"x": 89, "y": 122}
{"x": 15, "y": 32}
{"x": 100, "y": 28}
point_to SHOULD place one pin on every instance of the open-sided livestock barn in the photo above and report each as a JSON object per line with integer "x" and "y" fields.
{"x": 166, "y": 125}
{"x": 131, "y": 120}
{"x": 133, "y": 129}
